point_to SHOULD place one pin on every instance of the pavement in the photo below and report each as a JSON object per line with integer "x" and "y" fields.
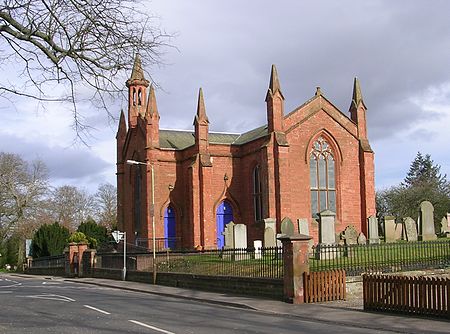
{"x": 348, "y": 312}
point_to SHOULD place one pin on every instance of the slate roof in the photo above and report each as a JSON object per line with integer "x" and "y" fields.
{"x": 181, "y": 139}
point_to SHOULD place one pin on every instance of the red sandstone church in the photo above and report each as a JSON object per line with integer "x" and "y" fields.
{"x": 193, "y": 183}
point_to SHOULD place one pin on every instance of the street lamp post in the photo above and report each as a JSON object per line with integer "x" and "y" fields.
{"x": 152, "y": 211}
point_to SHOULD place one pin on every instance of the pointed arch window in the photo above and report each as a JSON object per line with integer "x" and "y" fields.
{"x": 322, "y": 177}
{"x": 137, "y": 199}
{"x": 257, "y": 194}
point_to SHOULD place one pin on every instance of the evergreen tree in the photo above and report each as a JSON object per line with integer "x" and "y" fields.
{"x": 95, "y": 233}
{"x": 49, "y": 240}
{"x": 423, "y": 182}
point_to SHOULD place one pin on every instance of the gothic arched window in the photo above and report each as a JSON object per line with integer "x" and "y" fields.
{"x": 257, "y": 194}
{"x": 137, "y": 199}
{"x": 322, "y": 177}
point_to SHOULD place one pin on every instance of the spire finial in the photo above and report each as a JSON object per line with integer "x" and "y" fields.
{"x": 201, "y": 110}
{"x": 357, "y": 95}
{"x": 274, "y": 84}
{"x": 318, "y": 91}
{"x": 152, "y": 108}
{"x": 137, "y": 72}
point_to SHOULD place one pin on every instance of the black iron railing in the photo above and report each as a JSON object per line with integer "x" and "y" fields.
{"x": 57, "y": 261}
{"x": 241, "y": 262}
{"x": 386, "y": 257}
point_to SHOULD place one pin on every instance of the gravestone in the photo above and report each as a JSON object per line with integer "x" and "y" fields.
{"x": 372, "y": 222}
{"x": 444, "y": 226}
{"x": 427, "y": 231}
{"x": 362, "y": 240}
{"x": 350, "y": 235}
{"x": 398, "y": 231}
{"x": 410, "y": 229}
{"x": 389, "y": 228}
{"x": 229, "y": 235}
{"x": 287, "y": 227}
{"x": 240, "y": 242}
{"x": 303, "y": 227}
{"x": 270, "y": 222}
{"x": 327, "y": 234}
{"x": 257, "y": 244}
{"x": 269, "y": 237}
{"x": 240, "y": 236}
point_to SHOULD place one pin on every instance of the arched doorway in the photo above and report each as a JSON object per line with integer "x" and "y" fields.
{"x": 169, "y": 228}
{"x": 224, "y": 215}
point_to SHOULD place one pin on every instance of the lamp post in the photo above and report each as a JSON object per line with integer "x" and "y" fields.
{"x": 152, "y": 211}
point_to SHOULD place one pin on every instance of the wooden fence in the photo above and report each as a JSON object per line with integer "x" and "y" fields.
{"x": 323, "y": 286}
{"x": 407, "y": 294}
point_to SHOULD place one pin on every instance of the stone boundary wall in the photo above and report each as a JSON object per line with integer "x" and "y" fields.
{"x": 57, "y": 271}
{"x": 257, "y": 287}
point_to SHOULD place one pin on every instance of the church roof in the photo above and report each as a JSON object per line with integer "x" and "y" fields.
{"x": 181, "y": 139}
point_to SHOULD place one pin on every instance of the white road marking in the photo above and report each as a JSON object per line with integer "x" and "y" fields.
{"x": 96, "y": 309}
{"x": 151, "y": 327}
{"x": 51, "y": 297}
{"x": 11, "y": 285}
{"x": 5, "y": 292}
{"x": 50, "y": 283}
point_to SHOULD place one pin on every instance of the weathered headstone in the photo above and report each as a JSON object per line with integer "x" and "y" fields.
{"x": 240, "y": 236}
{"x": 389, "y": 228}
{"x": 444, "y": 226}
{"x": 410, "y": 229}
{"x": 287, "y": 227}
{"x": 350, "y": 235}
{"x": 362, "y": 240}
{"x": 303, "y": 227}
{"x": 240, "y": 241}
{"x": 229, "y": 235}
{"x": 327, "y": 234}
{"x": 398, "y": 231}
{"x": 372, "y": 222}
{"x": 269, "y": 237}
{"x": 270, "y": 222}
{"x": 427, "y": 231}
{"x": 257, "y": 244}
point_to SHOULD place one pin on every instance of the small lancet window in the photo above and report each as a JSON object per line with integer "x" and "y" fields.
{"x": 322, "y": 177}
{"x": 139, "y": 97}
{"x": 257, "y": 194}
{"x": 134, "y": 96}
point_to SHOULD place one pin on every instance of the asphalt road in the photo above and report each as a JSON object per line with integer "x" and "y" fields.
{"x": 36, "y": 305}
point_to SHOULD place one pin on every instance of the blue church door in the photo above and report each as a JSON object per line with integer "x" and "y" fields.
{"x": 169, "y": 228}
{"x": 224, "y": 215}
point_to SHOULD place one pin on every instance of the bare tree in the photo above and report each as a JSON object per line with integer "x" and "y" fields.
{"x": 106, "y": 200}
{"x": 71, "y": 206}
{"x": 23, "y": 187}
{"x": 81, "y": 43}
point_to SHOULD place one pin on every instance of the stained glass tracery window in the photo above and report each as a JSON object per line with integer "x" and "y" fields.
{"x": 322, "y": 177}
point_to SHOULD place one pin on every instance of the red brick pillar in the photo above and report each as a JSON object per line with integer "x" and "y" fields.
{"x": 81, "y": 249}
{"x": 295, "y": 261}
{"x": 73, "y": 248}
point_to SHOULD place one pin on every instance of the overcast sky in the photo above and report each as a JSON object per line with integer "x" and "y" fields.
{"x": 400, "y": 51}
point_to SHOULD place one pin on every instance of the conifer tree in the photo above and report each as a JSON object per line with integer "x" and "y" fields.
{"x": 49, "y": 240}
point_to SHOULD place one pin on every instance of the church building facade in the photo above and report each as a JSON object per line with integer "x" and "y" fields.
{"x": 187, "y": 185}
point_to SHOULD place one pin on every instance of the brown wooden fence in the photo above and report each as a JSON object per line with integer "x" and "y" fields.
{"x": 324, "y": 286}
{"x": 407, "y": 294}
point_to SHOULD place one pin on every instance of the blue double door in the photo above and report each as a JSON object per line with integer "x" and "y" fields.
{"x": 224, "y": 215}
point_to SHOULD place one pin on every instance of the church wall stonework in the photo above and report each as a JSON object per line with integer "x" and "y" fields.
{"x": 195, "y": 171}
